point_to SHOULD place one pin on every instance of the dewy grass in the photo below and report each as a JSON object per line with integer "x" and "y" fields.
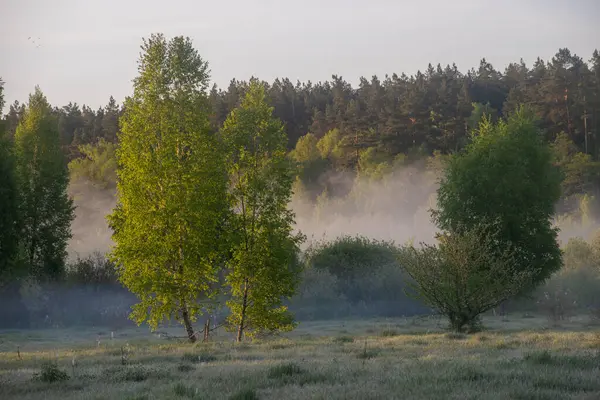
{"x": 420, "y": 361}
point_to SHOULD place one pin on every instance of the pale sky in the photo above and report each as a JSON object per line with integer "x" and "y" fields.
{"x": 88, "y": 49}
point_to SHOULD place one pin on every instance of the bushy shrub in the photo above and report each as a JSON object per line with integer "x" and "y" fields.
{"x": 94, "y": 270}
{"x": 364, "y": 269}
{"x": 464, "y": 275}
{"x": 353, "y": 276}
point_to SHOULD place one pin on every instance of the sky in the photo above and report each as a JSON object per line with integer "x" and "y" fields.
{"x": 84, "y": 51}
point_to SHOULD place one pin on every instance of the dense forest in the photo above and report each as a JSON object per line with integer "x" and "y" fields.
{"x": 342, "y": 137}
{"x": 399, "y": 116}
{"x": 430, "y": 110}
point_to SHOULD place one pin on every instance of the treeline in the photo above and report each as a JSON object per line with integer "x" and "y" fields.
{"x": 385, "y": 123}
{"x": 431, "y": 109}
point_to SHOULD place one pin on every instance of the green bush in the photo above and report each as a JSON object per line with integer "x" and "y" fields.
{"x": 353, "y": 277}
{"x": 506, "y": 176}
{"x": 94, "y": 270}
{"x": 464, "y": 275}
{"x": 51, "y": 373}
{"x": 361, "y": 269}
{"x": 347, "y": 256}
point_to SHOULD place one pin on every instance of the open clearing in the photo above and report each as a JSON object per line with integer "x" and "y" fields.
{"x": 413, "y": 358}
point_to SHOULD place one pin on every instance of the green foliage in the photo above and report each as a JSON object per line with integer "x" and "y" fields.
{"x": 263, "y": 269}
{"x": 50, "y": 373}
{"x": 364, "y": 269}
{"x": 329, "y": 145}
{"x": 347, "y": 257}
{"x": 580, "y": 171}
{"x": 506, "y": 177}
{"x": 373, "y": 164}
{"x": 309, "y": 161}
{"x": 98, "y": 163}
{"x": 481, "y": 112}
{"x": 9, "y": 214}
{"x": 92, "y": 270}
{"x": 464, "y": 275}
{"x": 45, "y": 208}
{"x": 306, "y": 149}
{"x": 171, "y": 187}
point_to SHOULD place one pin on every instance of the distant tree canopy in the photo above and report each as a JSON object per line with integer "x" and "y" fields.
{"x": 98, "y": 163}
{"x": 433, "y": 108}
{"x": 369, "y": 129}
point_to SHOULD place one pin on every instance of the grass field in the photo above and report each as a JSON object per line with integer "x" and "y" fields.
{"x": 515, "y": 358}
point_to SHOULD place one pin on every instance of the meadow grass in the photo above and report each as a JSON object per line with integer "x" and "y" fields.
{"x": 515, "y": 358}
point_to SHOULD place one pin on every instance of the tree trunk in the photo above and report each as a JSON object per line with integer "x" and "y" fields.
{"x": 240, "y": 333}
{"x": 207, "y": 330}
{"x": 188, "y": 323}
{"x": 457, "y": 322}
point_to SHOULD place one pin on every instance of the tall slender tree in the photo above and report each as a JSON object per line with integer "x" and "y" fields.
{"x": 42, "y": 175}
{"x": 9, "y": 237}
{"x": 172, "y": 186}
{"x": 1, "y": 95}
{"x": 263, "y": 269}
{"x": 109, "y": 123}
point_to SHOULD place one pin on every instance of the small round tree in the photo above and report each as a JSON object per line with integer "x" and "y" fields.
{"x": 495, "y": 204}
{"x": 506, "y": 176}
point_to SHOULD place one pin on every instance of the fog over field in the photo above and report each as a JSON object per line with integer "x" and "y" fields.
{"x": 395, "y": 209}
